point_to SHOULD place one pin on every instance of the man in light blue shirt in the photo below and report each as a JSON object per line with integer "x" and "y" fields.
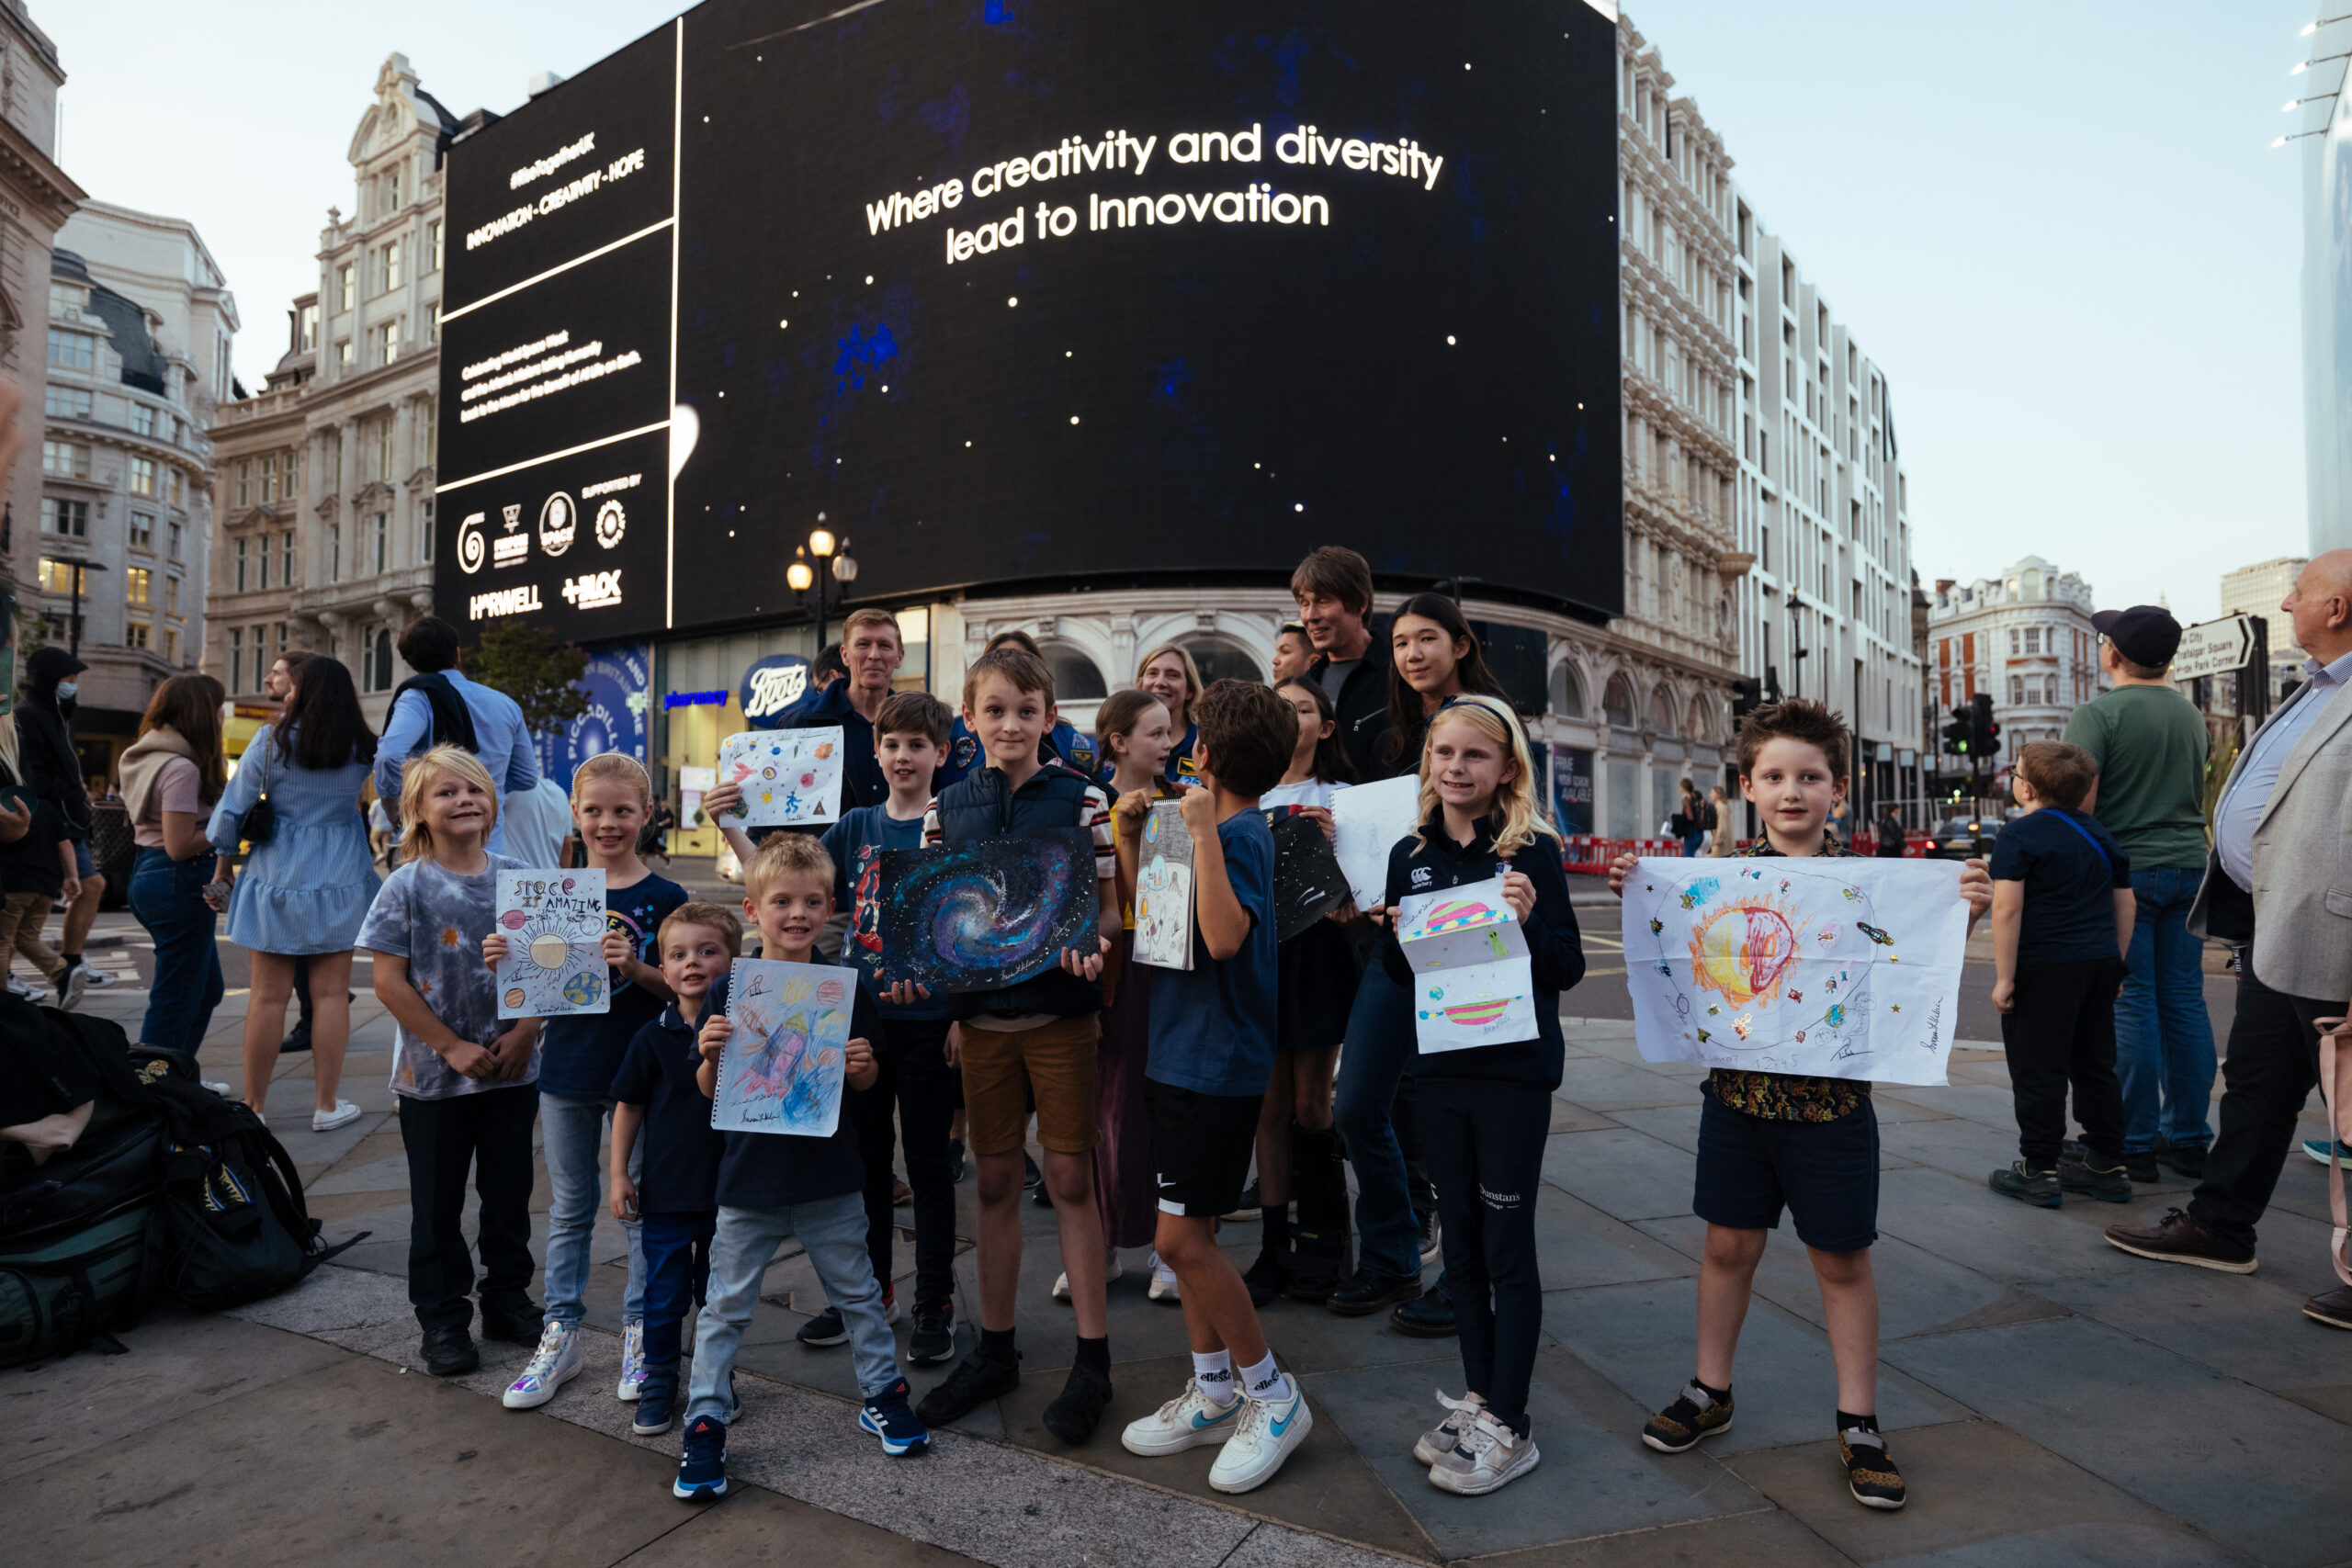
{"x": 500, "y": 740}
{"x": 2249, "y": 793}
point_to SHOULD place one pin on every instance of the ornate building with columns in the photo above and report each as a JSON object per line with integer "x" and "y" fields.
{"x": 326, "y": 475}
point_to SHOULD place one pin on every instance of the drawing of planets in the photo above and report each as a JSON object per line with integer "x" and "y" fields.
{"x": 1151, "y": 828}
{"x": 547, "y": 949}
{"x": 1477, "y": 1014}
{"x": 1743, "y": 952}
{"x": 581, "y": 990}
{"x": 1457, "y": 913}
{"x": 512, "y": 919}
{"x": 994, "y": 912}
{"x": 513, "y": 996}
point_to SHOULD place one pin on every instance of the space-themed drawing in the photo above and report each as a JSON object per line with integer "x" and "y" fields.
{"x": 981, "y": 916}
{"x": 1841, "y": 967}
{"x": 554, "y": 925}
{"x": 782, "y": 1069}
{"x": 1164, "y": 890}
{"x": 789, "y": 776}
{"x": 1308, "y": 883}
{"x": 1471, "y": 982}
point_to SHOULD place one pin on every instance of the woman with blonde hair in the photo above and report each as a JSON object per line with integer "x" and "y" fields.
{"x": 1169, "y": 673}
{"x": 171, "y": 776}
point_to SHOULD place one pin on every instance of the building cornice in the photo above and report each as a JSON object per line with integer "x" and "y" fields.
{"x": 31, "y": 173}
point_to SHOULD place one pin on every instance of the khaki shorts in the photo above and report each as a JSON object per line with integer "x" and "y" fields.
{"x": 1056, "y": 1060}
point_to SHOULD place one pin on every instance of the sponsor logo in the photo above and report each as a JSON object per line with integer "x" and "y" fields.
{"x": 611, "y": 524}
{"x": 510, "y": 548}
{"x": 501, "y": 601}
{"x": 1420, "y": 877}
{"x": 469, "y": 546}
{"x": 558, "y": 520}
{"x": 594, "y": 591}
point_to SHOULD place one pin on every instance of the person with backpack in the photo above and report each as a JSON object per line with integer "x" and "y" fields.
{"x": 1694, "y": 821}
{"x": 171, "y": 777}
{"x": 439, "y": 706}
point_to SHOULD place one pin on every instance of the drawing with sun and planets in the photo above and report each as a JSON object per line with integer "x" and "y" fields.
{"x": 782, "y": 1069}
{"x": 789, "y": 777}
{"x": 554, "y": 925}
{"x": 1472, "y": 984}
{"x": 1844, "y": 967}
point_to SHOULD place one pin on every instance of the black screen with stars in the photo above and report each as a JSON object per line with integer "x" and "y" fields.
{"x": 1423, "y": 365}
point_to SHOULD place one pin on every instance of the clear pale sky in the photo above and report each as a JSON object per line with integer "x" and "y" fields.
{"x": 2060, "y": 229}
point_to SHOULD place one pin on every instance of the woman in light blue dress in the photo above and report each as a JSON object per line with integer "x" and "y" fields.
{"x": 303, "y": 892}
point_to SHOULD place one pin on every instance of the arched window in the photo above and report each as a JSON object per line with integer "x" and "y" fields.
{"x": 1661, "y": 712}
{"x": 1077, "y": 678}
{"x": 1222, "y": 659}
{"x": 1703, "y": 719}
{"x": 1617, "y": 702}
{"x": 1567, "y": 692}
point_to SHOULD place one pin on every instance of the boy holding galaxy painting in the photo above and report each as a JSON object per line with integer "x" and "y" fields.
{"x": 1769, "y": 1141}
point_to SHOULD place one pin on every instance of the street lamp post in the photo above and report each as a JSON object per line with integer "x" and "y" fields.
{"x": 802, "y": 576}
{"x": 74, "y": 624}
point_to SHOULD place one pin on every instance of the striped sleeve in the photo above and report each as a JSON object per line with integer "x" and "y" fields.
{"x": 931, "y": 836}
{"x": 1097, "y": 811}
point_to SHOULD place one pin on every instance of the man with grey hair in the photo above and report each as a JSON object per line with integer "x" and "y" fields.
{"x": 2279, "y": 841}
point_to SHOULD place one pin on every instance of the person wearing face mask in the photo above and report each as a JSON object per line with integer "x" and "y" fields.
{"x": 53, "y": 772}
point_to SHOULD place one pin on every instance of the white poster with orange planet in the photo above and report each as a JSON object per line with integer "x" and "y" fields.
{"x": 1840, "y": 967}
{"x": 1472, "y": 984}
{"x": 554, "y": 925}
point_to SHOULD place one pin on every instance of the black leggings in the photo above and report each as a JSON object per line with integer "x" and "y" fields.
{"x": 487, "y": 1132}
{"x": 917, "y": 1082}
{"x": 2061, "y": 1030}
{"x": 1485, "y": 1146}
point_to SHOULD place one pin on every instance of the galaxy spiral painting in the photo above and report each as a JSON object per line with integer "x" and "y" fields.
{"x": 989, "y": 914}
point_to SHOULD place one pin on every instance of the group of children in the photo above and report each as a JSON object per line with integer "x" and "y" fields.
{"x": 1152, "y": 1090}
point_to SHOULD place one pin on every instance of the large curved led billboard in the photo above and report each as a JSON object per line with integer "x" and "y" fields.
{"x": 1018, "y": 291}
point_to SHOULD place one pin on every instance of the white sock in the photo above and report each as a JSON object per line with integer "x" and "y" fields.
{"x": 1266, "y": 1383}
{"x": 1213, "y": 1372}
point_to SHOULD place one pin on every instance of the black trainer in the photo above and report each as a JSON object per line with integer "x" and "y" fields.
{"x": 1871, "y": 1474}
{"x": 1268, "y": 1277}
{"x": 932, "y": 1339}
{"x": 2142, "y": 1167}
{"x": 1426, "y": 1316}
{"x": 448, "y": 1352}
{"x": 2039, "y": 1187}
{"x": 2111, "y": 1185}
{"x": 516, "y": 1323}
{"x": 1364, "y": 1293}
{"x": 976, "y": 1380}
{"x": 1695, "y": 1416}
{"x": 824, "y": 1329}
{"x": 1078, "y": 1409}
{"x": 2189, "y": 1159}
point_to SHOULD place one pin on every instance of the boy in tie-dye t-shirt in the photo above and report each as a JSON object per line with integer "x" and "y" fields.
{"x": 435, "y": 918}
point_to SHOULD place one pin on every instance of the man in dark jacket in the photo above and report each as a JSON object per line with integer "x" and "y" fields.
{"x": 1333, "y": 587}
{"x": 52, "y": 772}
{"x": 871, "y": 651}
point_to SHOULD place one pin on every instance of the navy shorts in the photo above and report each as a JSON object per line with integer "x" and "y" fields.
{"x": 1824, "y": 1173}
{"x": 1201, "y": 1146}
{"x": 82, "y": 863}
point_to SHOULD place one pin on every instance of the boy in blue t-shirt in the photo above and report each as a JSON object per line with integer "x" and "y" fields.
{"x": 909, "y": 735}
{"x": 664, "y": 1171}
{"x": 1212, "y": 1055}
{"x": 2062, "y": 921}
{"x": 774, "y": 1184}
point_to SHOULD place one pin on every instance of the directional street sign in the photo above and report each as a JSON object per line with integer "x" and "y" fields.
{"x": 2215, "y": 647}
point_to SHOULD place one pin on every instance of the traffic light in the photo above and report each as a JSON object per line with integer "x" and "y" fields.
{"x": 1958, "y": 733}
{"x": 1746, "y": 696}
{"x": 1984, "y": 734}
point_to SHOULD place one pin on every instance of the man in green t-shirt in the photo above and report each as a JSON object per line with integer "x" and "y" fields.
{"x": 2150, "y": 744}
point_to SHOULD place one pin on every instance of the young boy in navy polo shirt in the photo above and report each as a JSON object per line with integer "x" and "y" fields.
{"x": 656, "y": 1100}
{"x": 2062, "y": 921}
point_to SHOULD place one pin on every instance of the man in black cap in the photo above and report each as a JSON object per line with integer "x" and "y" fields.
{"x": 2149, "y": 742}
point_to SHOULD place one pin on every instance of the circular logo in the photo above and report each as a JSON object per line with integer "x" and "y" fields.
{"x": 558, "y": 520}
{"x": 771, "y": 686}
{"x": 471, "y": 548}
{"x": 611, "y": 524}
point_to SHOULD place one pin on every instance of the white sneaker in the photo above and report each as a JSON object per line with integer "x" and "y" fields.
{"x": 1187, "y": 1421}
{"x": 1111, "y": 1270}
{"x": 1490, "y": 1455}
{"x": 344, "y": 1114}
{"x": 1267, "y": 1435}
{"x": 553, "y": 1364}
{"x": 71, "y": 986}
{"x": 1163, "y": 1284}
{"x": 99, "y": 979}
{"x": 1441, "y": 1440}
{"x": 632, "y": 1382}
{"x": 26, "y": 989}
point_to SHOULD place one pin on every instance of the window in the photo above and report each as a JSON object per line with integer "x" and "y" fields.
{"x": 383, "y": 436}
{"x": 68, "y": 518}
{"x": 383, "y": 541}
{"x": 142, "y": 476}
{"x": 176, "y": 484}
{"x": 171, "y": 595}
{"x": 345, "y": 287}
{"x": 261, "y": 564}
{"x": 432, "y": 246}
{"x": 424, "y": 533}
{"x": 310, "y": 338}
{"x": 1222, "y": 659}
{"x": 1567, "y": 692}
{"x": 143, "y": 530}
{"x": 388, "y": 343}
{"x": 389, "y": 265}
{"x": 241, "y": 565}
{"x": 63, "y": 296}
{"x": 2050, "y": 688}
{"x": 173, "y": 532}
{"x": 286, "y": 557}
{"x": 244, "y": 483}
{"x": 70, "y": 458}
{"x": 134, "y": 634}
{"x": 143, "y": 419}
{"x": 391, "y": 189}
{"x": 1617, "y": 703}
{"x": 67, "y": 403}
{"x": 171, "y": 645}
{"x": 269, "y": 479}
{"x": 2017, "y": 689}
{"x": 1074, "y": 672}
{"x": 261, "y": 662}
{"x": 2033, "y": 641}
{"x": 73, "y": 350}
{"x": 134, "y": 585}
{"x": 236, "y": 659}
{"x": 56, "y": 576}
{"x": 375, "y": 658}
{"x": 433, "y": 322}
{"x": 334, "y": 552}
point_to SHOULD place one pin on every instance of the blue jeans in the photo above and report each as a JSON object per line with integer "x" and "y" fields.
{"x": 833, "y": 1232}
{"x": 677, "y": 1278}
{"x": 1381, "y": 1045}
{"x": 2164, "y": 1038}
{"x": 571, "y": 1132}
{"x": 169, "y": 898}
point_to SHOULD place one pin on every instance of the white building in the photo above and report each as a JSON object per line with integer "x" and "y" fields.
{"x": 141, "y": 328}
{"x": 326, "y": 475}
{"x": 2025, "y": 638}
{"x": 2256, "y": 591}
{"x": 1825, "y": 610}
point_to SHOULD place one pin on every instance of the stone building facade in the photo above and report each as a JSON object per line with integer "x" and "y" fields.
{"x": 2026, "y": 638}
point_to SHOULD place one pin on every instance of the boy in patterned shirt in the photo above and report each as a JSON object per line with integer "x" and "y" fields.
{"x": 1773, "y": 1140}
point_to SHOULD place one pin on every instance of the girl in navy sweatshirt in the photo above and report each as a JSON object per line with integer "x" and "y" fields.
{"x": 1487, "y": 1110}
